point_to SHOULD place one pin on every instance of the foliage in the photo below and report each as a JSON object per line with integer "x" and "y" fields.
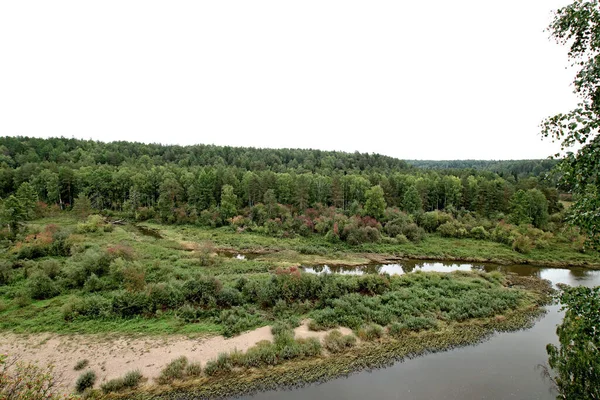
{"x": 578, "y": 26}
{"x": 174, "y": 370}
{"x": 576, "y": 360}
{"x": 336, "y": 342}
{"x": 26, "y": 381}
{"x": 85, "y": 381}
{"x": 130, "y": 380}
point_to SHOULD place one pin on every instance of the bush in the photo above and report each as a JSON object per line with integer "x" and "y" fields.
{"x": 93, "y": 284}
{"x": 479, "y": 232}
{"x": 130, "y": 380}
{"x": 85, "y": 380}
{"x": 370, "y": 332}
{"x": 87, "y": 307}
{"x": 229, "y": 297}
{"x": 26, "y": 381}
{"x": 219, "y": 366}
{"x": 239, "y": 319}
{"x": 522, "y": 244}
{"x": 174, "y": 370}
{"x": 81, "y": 364}
{"x": 42, "y": 287}
{"x": 335, "y": 342}
{"x": 193, "y": 370}
{"x": 420, "y": 323}
{"x": 6, "y": 272}
{"x": 413, "y": 233}
{"x": 452, "y": 229}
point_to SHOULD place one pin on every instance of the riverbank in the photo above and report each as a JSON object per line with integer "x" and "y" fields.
{"x": 366, "y": 355}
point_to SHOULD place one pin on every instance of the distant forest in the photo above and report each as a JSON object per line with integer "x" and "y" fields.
{"x": 187, "y": 183}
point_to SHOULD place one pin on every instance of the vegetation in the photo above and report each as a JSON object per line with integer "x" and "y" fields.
{"x": 27, "y": 381}
{"x": 578, "y": 26}
{"x": 81, "y": 364}
{"x": 85, "y": 381}
{"x": 130, "y": 380}
{"x": 132, "y": 238}
{"x": 576, "y": 360}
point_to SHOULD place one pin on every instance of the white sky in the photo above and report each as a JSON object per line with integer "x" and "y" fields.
{"x": 431, "y": 79}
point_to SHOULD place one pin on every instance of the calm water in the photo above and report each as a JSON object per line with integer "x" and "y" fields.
{"x": 502, "y": 368}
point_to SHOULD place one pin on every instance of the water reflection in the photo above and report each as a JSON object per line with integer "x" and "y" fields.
{"x": 571, "y": 276}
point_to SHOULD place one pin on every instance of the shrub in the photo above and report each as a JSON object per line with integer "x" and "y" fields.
{"x": 193, "y": 370}
{"x": 413, "y": 232}
{"x": 85, "y": 380}
{"x": 370, "y": 332}
{"x": 42, "y": 287}
{"x": 420, "y": 323}
{"x": 202, "y": 290}
{"x": 263, "y": 353}
{"x": 221, "y": 365}
{"x": 239, "y": 319}
{"x": 479, "y": 232}
{"x": 335, "y": 342}
{"x": 81, "y": 364}
{"x": 130, "y": 304}
{"x": 93, "y": 284}
{"x": 6, "y": 272}
{"x": 522, "y": 244}
{"x": 310, "y": 347}
{"x": 402, "y": 239}
{"x": 129, "y": 381}
{"x": 397, "y": 329}
{"x": 27, "y": 381}
{"x": 88, "y": 307}
{"x": 229, "y": 297}
{"x": 174, "y": 370}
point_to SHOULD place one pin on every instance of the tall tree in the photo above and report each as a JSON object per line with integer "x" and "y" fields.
{"x": 28, "y": 199}
{"x": 578, "y": 26}
{"x": 375, "y": 204}
{"x": 228, "y": 202}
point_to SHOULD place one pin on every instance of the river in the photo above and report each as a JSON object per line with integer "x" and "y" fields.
{"x": 504, "y": 367}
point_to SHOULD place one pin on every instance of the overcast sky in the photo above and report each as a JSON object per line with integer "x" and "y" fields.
{"x": 431, "y": 79}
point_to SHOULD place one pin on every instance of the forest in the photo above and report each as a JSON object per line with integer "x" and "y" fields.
{"x": 356, "y": 198}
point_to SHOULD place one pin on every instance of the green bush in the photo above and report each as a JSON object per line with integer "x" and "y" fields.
{"x": 87, "y": 307}
{"x": 479, "y": 232}
{"x": 130, "y": 380}
{"x": 193, "y": 370}
{"x": 335, "y": 342}
{"x": 85, "y": 380}
{"x": 174, "y": 370}
{"x": 6, "y": 272}
{"x": 221, "y": 365}
{"x": 413, "y": 232}
{"x": 522, "y": 244}
{"x": 42, "y": 287}
{"x": 239, "y": 319}
{"x": 370, "y": 332}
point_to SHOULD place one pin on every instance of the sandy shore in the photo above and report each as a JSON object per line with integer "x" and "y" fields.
{"x": 113, "y": 356}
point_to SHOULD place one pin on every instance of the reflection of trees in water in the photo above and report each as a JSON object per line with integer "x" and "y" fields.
{"x": 579, "y": 272}
{"x": 521, "y": 270}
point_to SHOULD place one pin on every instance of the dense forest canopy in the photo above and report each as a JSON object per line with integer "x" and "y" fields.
{"x": 112, "y": 173}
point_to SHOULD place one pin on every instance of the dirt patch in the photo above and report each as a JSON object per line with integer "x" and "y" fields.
{"x": 113, "y": 356}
